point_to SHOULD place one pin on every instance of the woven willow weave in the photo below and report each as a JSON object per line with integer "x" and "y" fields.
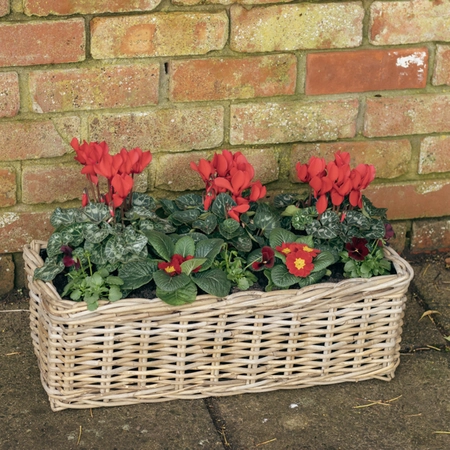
{"x": 140, "y": 350}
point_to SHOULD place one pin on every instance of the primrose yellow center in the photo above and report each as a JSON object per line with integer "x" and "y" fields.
{"x": 170, "y": 269}
{"x": 286, "y": 251}
{"x": 299, "y": 263}
{"x": 307, "y": 249}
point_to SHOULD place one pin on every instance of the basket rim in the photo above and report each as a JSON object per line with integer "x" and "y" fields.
{"x": 308, "y": 294}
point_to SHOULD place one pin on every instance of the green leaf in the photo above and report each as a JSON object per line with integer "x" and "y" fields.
{"x": 303, "y": 217}
{"x": 113, "y": 280}
{"x": 169, "y": 206}
{"x": 307, "y": 240}
{"x": 312, "y": 278}
{"x": 161, "y": 243}
{"x": 97, "y": 253}
{"x": 188, "y": 216}
{"x": 137, "y": 272}
{"x": 73, "y": 234}
{"x": 115, "y": 249}
{"x": 187, "y": 294}
{"x": 164, "y": 226}
{"x": 65, "y": 216}
{"x": 169, "y": 284}
{"x": 144, "y": 200}
{"x": 243, "y": 243}
{"x": 280, "y": 236}
{"x": 189, "y": 201}
{"x": 208, "y": 248}
{"x": 284, "y": 200}
{"x": 135, "y": 241}
{"x": 221, "y": 204}
{"x": 230, "y": 229}
{"x": 323, "y": 260}
{"x": 49, "y": 270}
{"x": 290, "y": 211}
{"x": 370, "y": 211}
{"x": 141, "y": 212}
{"x": 266, "y": 219}
{"x": 96, "y": 233}
{"x": 185, "y": 246}
{"x": 282, "y": 278}
{"x": 54, "y": 244}
{"x": 188, "y": 266}
{"x": 96, "y": 212}
{"x": 213, "y": 282}
{"x": 114, "y": 294}
{"x": 208, "y": 224}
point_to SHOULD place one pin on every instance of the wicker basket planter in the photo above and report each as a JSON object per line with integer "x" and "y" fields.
{"x": 140, "y": 350}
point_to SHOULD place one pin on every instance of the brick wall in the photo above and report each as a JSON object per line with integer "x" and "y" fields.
{"x": 277, "y": 80}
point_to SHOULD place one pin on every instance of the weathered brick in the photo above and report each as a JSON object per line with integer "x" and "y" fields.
{"x": 294, "y": 27}
{"x": 429, "y": 235}
{"x": 9, "y": 94}
{"x": 407, "y": 22}
{"x": 37, "y": 139}
{"x": 103, "y": 87}
{"x": 441, "y": 74}
{"x": 55, "y": 183}
{"x": 417, "y": 114}
{"x": 399, "y": 242}
{"x": 434, "y": 154}
{"x": 366, "y": 70}
{"x": 228, "y": 78}
{"x": 390, "y": 158}
{"x": 58, "y": 7}
{"x": 258, "y": 123}
{"x": 411, "y": 200}
{"x": 20, "y": 228}
{"x": 159, "y": 34}
{"x": 7, "y": 269}
{"x": 4, "y": 7}
{"x": 7, "y": 186}
{"x": 174, "y": 173}
{"x": 226, "y": 2}
{"x": 52, "y": 42}
{"x": 162, "y": 130}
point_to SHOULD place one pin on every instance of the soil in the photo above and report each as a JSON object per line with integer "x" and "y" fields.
{"x": 321, "y": 418}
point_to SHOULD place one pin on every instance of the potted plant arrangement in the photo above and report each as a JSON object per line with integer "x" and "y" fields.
{"x": 136, "y": 299}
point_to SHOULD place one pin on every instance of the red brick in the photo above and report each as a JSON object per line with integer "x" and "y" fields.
{"x": 411, "y": 200}
{"x": 9, "y": 94}
{"x": 218, "y": 79}
{"x": 60, "y": 7}
{"x": 7, "y": 186}
{"x": 159, "y": 34}
{"x": 170, "y": 130}
{"x": 174, "y": 173}
{"x": 430, "y": 235}
{"x": 103, "y": 87}
{"x": 258, "y": 123}
{"x": 20, "y": 228}
{"x": 7, "y": 269}
{"x": 55, "y": 183}
{"x": 4, "y": 7}
{"x": 37, "y": 139}
{"x": 390, "y": 158}
{"x": 52, "y": 42}
{"x": 294, "y": 27}
{"x": 434, "y": 154}
{"x": 366, "y": 70}
{"x": 404, "y": 22}
{"x": 441, "y": 73}
{"x": 417, "y": 114}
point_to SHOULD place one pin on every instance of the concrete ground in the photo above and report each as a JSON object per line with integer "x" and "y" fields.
{"x": 411, "y": 412}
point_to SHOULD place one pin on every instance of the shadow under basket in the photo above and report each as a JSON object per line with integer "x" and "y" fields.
{"x": 140, "y": 350}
